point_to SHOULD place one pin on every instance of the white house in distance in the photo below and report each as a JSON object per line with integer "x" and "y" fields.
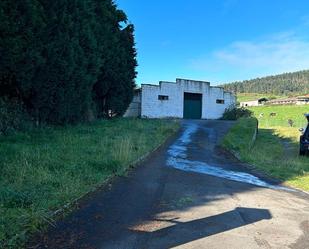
{"x": 257, "y": 102}
{"x": 249, "y": 103}
{"x": 189, "y": 99}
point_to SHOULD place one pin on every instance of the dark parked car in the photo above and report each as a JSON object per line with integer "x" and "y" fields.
{"x": 304, "y": 139}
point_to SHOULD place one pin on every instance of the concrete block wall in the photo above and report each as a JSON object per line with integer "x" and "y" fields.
{"x": 152, "y": 107}
{"x": 134, "y": 109}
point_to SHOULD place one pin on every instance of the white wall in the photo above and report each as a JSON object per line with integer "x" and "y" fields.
{"x": 134, "y": 109}
{"x": 249, "y": 103}
{"x": 152, "y": 107}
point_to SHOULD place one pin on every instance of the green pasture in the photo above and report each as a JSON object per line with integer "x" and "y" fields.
{"x": 281, "y": 115}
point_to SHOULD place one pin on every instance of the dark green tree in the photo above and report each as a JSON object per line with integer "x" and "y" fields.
{"x": 114, "y": 89}
{"x": 283, "y": 84}
{"x": 21, "y": 23}
{"x": 66, "y": 61}
{"x": 66, "y": 79}
{"x": 124, "y": 82}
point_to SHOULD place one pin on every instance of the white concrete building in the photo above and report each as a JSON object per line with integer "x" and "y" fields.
{"x": 134, "y": 109}
{"x": 184, "y": 99}
{"x": 258, "y": 102}
{"x": 250, "y": 103}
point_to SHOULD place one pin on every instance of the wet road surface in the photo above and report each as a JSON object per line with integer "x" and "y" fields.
{"x": 188, "y": 194}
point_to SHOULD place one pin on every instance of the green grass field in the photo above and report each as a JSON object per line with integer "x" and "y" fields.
{"x": 283, "y": 114}
{"x": 42, "y": 170}
{"x": 275, "y": 151}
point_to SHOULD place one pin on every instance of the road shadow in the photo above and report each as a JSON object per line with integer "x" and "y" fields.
{"x": 179, "y": 233}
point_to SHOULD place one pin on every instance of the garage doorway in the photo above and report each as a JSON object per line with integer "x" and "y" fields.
{"x": 192, "y": 106}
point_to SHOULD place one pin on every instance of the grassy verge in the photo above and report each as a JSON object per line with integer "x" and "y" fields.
{"x": 275, "y": 152}
{"x": 240, "y": 137}
{"x": 43, "y": 170}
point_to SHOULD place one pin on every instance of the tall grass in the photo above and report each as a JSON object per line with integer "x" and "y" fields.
{"x": 276, "y": 153}
{"x": 42, "y": 170}
{"x": 241, "y": 136}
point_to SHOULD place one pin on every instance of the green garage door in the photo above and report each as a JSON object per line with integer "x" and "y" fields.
{"x": 192, "y": 107}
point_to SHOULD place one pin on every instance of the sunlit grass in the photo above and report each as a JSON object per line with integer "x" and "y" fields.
{"x": 282, "y": 115}
{"x": 275, "y": 152}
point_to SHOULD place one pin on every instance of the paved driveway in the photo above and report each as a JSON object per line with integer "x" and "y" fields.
{"x": 188, "y": 194}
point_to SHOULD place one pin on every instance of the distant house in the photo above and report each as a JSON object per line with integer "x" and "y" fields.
{"x": 181, "y": 99}
{"x": 300, "y": 100}
{"x": 303, "y": 100}
{"x": 286, "y": 101}
{"x": 258, "y": 102}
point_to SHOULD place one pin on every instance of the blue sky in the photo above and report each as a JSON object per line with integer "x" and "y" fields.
{"x": 218, "y": 41}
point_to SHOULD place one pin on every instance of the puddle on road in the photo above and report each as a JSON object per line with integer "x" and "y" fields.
{"x": 179, "y": 148}
{"x": 177, "y": 159}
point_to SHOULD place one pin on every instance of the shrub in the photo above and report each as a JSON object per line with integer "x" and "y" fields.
{"x": 234, "y": 113}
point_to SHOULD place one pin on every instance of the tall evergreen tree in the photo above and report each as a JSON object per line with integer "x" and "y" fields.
{"x": 114, "y": 89}
{"x": 67, "y": 61}
{"x": 124, "y": 81}
{"x": 21, "y": 23}
{"x": 107, "y": 31}
{"x": 67, "y": 78}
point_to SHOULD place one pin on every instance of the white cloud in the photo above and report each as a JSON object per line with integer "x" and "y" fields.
{"x": 284, "y": 52}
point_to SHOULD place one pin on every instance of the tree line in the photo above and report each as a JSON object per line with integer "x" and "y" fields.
{"x": 66, "y": 61}
{"x": 283, "y": 84}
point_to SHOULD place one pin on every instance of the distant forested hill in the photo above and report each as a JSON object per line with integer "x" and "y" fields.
{"x": 282, "y": 84}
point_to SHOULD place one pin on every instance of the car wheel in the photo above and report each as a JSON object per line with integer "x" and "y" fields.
{"x": 301, "y": 152}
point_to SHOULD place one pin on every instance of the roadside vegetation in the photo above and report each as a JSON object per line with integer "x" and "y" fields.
{"x": 44, "y": 169}
{"x": 275, "y": 151}
{"x": 234, "y": 113}
{"x": 240, "y": 138}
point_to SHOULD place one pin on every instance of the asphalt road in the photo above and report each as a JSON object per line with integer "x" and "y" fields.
{"x": 188, "y": 194}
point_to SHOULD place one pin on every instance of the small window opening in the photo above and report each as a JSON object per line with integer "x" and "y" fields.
{"x": 220, "y": 101}
{"x": 162, "y": 97}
